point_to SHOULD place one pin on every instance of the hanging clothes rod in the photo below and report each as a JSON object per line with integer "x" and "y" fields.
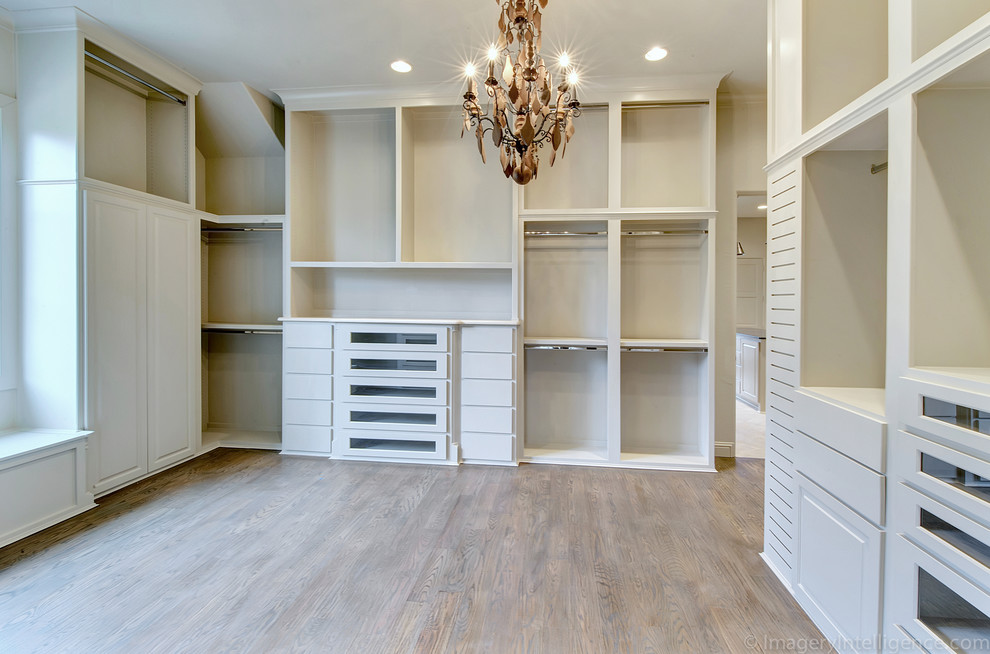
{"x": 565, "y": 347}
{"x": 565, "y": 233}
{"x": 221, "y": 330}
{"x": 633, "y": 348}
{"x": 218, "y": 230}
{"x": 135, "y": 78}
{"x": 668, "y": 232}
{"x": 878, "y": 168}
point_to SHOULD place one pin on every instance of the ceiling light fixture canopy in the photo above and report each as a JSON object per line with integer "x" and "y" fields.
{"x": 656, "y": 54}
{"x": 524, "y": 114}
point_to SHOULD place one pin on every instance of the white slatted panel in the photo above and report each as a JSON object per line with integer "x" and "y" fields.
{"x": 783, "y": 329}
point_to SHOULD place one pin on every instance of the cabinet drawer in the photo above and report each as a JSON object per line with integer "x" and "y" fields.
{"x": 390, "y": 445}
{"x": 487, "y": 392}
{"x": 488, "y": 419}
{"x": 488, "y": 447}
{"x": 388, "y": 390}
{"x": 306, "y": 439}
{"x": 307, "y": 412}
{"x": 488, "y": 339}
{"x": 307, "y": 360}
{"x": 307, "y": 334}
{"x": 408, "y": 338}
{"x": 307, "y": 387}
{"x": 397, "y": 365}
{"x": 852, "y": 483}
{"x": 855, "y": 434}
{"x": 479, "y": 365}
{"x": 400, "y": 417}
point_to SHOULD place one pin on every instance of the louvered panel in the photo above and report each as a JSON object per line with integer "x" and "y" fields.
{"x": 783, "y": 365}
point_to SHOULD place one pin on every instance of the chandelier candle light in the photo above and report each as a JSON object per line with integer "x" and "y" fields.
{"x": 524, "y": 113}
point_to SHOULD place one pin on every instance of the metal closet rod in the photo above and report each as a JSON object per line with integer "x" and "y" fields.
{"x": 878, "y": 168}
{"x": 131, "y": 76}
{"x": 221, "y": 330}
{"x": 532, "y": 233}
{"x": 215, "y": 230}
{"x": 668, "y": 232}
{"x": 565, "y": 347}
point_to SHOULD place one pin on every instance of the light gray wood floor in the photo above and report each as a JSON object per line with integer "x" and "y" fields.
{"x": 242, "y": 551}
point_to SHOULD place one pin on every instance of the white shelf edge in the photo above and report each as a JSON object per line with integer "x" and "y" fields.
{"x": 407, "y": 321}
{"x": 663, "y": 342}
{"x": 240, "y": 327}
{"x": 405, "y": 265}
{"x": 245, "y": 219}
{"x": 870, "y": 401}
{"x": 657, "y": 213}
{"x": 565, "y": 341}
{"x": 976, "y": 380}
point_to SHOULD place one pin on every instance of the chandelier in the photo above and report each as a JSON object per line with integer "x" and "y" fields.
{"x": 524, "y": 114}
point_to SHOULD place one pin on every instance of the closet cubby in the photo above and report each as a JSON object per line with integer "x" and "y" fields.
{"x": 664, "y": 281}
{"x": 579, "y": 180}
{"x": 566, "y": 416}
{"x": 935, "y": 21}
{"x": 844, "y": 268}
{"x": 241, "y": 274}
{"x": 666, "y": 158}
{"x": 664, "y": 395}
{"x": 453, "y": 208}
{"x": 566, "y": 283}
{"x": 240, "y": 152}
{"x": 950, "y": 284}
{"x": 342, "y": 188}
{"x": 134, "y": 136}
{"x": 841, "y": 35}
{"x": 402, "y": 293}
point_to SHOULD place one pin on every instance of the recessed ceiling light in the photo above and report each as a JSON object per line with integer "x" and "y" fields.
{"x": 400, "y": 66}
{"x": 656, "y": 54}
{"x": 761, "y": 207}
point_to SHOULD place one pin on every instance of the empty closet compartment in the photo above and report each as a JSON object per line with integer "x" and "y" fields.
{"x": 390, "y": 445}
{"x": 844, "y": 269}
{"x": 136, "y": 128}
{"x": 579, "y": 180}
{"x": 935, "y": 21}
{"x": 667, "y": 154}
{"x": 566, "y": 405}
{"x": 665, "y": 281}
{"x": 454, "y": 208}
{"x": 402, "y": 293}
{"x": 242, "y": 388}
{"x": 846, "y": 35}
{"x": 241, "y": 274}
{"x": 391, "y": 337}
{"x": 950, "y": 315}
{"x": 566, "y": 279}
{"x": 664, "y": 406}
{"x": 342, "y": 188}
{"x": 373, "y": 363}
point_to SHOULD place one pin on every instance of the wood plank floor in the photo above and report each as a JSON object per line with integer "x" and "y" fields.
{"x": 241, "y": 551}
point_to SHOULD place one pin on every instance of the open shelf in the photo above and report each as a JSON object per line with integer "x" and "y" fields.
{"x": 134, "y": 137}
{"x": 663, "y": 400}
{"x": 241, "y": 280}
{"x": 664, "y": 281}
{"x": 872, "y": 401}
{"x": 666, "y": 159}
{"x": 566, "y": 280}
{"x": 404, "y": 293}
{"x": 566, "y": 405}
{"x": 578, "y": 180}
{"x": 935, "y": 21}
{"x": 844, "y": 268}
{"x": 242, "y": 384}
{"x": 246, "y": 439}
{"x": 558, "y": 341}
{"x": 454, "y": 207}
{"x": 342, "y": 188}
{"x": 407, "y": 265}
{"x": 950, "y": 284}
{"x": 841, "y": 35}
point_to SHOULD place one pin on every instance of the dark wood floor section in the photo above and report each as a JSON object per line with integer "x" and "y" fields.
{"x": 243, "y": 551}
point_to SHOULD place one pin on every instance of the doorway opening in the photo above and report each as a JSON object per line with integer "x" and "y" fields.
{"x": 751, "y": 257}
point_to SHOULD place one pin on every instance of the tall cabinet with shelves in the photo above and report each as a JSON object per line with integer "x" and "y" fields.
{"x": 617, "y": 274}
{"x": 877, "y": 384}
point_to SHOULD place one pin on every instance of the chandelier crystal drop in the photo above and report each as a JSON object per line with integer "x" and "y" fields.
{"x": 523, "y": 114}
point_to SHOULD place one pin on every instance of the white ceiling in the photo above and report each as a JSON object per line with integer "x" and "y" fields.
{"x": 345, "y": 43}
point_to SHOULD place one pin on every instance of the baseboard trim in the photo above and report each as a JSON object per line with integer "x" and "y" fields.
{"x": 725, "y": 450}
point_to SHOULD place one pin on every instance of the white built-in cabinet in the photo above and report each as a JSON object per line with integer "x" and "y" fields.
{"x": 142, "y": 307}
{"x": 877, "y": 516}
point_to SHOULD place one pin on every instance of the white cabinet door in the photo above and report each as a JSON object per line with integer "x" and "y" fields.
{"x": 116, "y": 316}
{"x": 749, "y": 388}
{"x": 173, "y": 337}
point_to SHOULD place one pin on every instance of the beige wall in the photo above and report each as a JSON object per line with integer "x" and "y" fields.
{"x": 741, "y": 155}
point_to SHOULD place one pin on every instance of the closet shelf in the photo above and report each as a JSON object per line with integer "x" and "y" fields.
{"x": 663, "y": 343}
{"x": 872, "y": 401}
{"x": 406, "y": 265}
{"x": 241, "y": 327}
{"x": 551, "y": 341}
{"x": 257, "y": 440}
{"x": 249, "y": 219}
{"x": 972, "y": 379}
{"x": 653, "y": 214}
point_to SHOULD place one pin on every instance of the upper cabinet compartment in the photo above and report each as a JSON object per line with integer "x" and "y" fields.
{"x": 454, "y": 207}
{"x": 935, "y": 21}
{"x": 136, "y": 128}
{"x": 844, "y": 54}
{"x": 240, "y": 152}
{"x": 578, "y": 180}
{"x": 666, "y": 155}
{"x": 342, "y": 188}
